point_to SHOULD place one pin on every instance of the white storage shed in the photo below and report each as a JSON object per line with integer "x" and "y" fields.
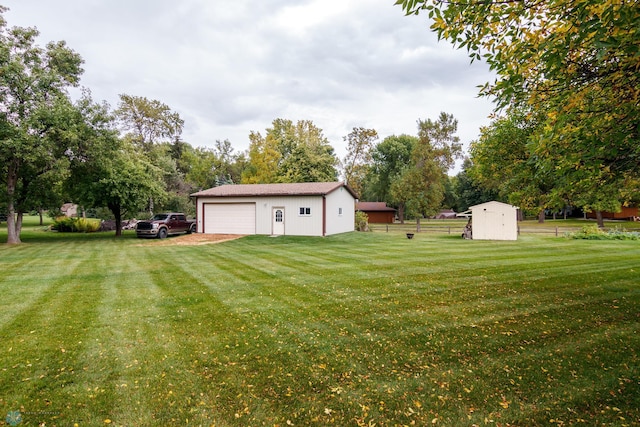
{"x": 298, "y": 209}
{"x": 494, "y": 221}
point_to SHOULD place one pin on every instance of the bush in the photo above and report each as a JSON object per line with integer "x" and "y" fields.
{"x": 592, "y": 232}
{"x": 362, "y": 221}
{"x": 75, "y": 225}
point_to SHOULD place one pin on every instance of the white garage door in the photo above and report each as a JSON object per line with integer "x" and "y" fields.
{"x": 230, "y": 218}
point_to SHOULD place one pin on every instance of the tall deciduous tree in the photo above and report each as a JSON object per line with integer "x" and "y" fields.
{"x": 41, "y": 185}
{"x": 290, "y": 153}
{"x": 201, "y": 163}
{"x": 503, "y": 162}
{"x": 106, "y": 170}
{"x": 155, "y": 130}
{"x": 360, "y": 143}
{"x": 420, "y": 187}
{"x": 211, "y": 167}
{"x": 389, "y": 158}
{"x": 469, "y": 191}
{"x": 229, "y": 166}
{"x": 32, "y": 80}
{"x": 148, "y": 121}
{"x": 124, "y": 183}
{"x": 577, "y": 61}
{"x": 264, "y": 160}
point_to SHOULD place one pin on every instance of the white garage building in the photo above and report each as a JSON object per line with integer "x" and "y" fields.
{"x": 494, "y": 221}
{"x": 300, "y": 209}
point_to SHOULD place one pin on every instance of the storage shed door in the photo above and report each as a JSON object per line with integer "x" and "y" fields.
{"x": 230, "y": 218}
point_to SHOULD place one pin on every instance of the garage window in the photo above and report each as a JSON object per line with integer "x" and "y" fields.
{"x": 305, "y": 211}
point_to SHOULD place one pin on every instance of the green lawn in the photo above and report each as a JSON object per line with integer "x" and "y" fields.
{"x": 359, "y": 329}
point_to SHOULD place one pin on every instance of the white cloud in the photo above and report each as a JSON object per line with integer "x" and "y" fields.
{"x": 301, "y": 18}
{"x": 232, "y": 67}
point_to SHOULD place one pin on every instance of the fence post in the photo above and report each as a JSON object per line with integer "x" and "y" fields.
{"x": 556, "y": 231}
{"x": 387, "y": 228}
{"x": 449, "y": 229}
{"x": 418, "y": 225}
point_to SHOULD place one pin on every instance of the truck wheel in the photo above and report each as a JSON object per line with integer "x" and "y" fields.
{"x": 162, "y": 233}
{"x": 192, "y": 229}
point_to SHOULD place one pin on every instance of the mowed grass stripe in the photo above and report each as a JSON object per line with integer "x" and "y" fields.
{"x": 297, "y": 343}
{"x": 140, "y": 350}
{"x": 45, "y": 340}
{"x": 222, "y": 346}
{"x": 191, "y": 324}
{"x": 26, "y": 274}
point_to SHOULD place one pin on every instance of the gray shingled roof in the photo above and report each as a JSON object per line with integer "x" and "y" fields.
{"x": 295, "y": 189}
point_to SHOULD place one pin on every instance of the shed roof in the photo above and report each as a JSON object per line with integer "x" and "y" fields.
{"x": 374, "y": 207}
{"x": 493, "y": 203}
{"x": 286, "y": 189}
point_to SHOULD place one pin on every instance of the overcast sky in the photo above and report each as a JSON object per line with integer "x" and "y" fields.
{"x": 230, "y": 67}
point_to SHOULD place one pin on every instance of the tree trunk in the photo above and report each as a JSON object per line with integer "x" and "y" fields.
{"x": 600, "y": 219}
{"x": 13, "y": 231}
{"x": 541, "y": 216}
{"x": 12, "y": 236}
{"x": 401, "y": 213}
{"x": 40, "y": 214}
{"x": 117, "y": 214}
{"x": 19, "y": 218}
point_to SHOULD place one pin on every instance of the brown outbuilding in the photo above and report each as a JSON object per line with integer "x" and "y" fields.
{"x": 378, "y": 212}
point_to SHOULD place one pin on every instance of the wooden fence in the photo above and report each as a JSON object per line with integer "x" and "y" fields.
{"x": 458, "y": 228}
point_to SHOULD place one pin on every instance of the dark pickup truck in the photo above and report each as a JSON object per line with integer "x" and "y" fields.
{"x": 165, "y": 224}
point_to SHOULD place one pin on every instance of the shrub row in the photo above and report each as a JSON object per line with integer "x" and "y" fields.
{"x": 76, "y": 225}
{"x": 592, "y": 232}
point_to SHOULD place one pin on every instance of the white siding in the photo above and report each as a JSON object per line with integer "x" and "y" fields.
{"x": 294, "y": 224}
{"x": 340, "y": 222}
{"x": 494, "y": 221}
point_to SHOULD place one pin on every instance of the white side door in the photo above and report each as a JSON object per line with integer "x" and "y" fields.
{"x": 277, "y": 227}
